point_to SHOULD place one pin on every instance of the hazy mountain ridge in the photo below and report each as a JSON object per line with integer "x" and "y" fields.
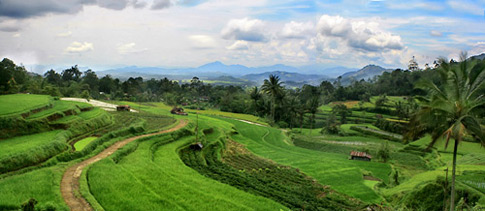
{"x": 365, "y": 73}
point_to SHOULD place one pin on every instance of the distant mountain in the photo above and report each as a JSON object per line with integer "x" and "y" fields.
{"x": 229, "y": 80}
{"x": 365, "y": 73}
{"x": 219, "y": 73}
{"x": 294, "y": 78}
{"x": 321, "y": 69}
{"x": 479, "y": 57}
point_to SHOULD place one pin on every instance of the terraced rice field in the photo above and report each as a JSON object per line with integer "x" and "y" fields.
{"x": 158, "y": 178}
{"x": 21, "y": 103}
{"x": 79, "y": 145}
{"x": 24, "y": 143}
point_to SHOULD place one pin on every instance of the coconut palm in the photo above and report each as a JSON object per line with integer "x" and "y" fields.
{"x": 449, "y": 110}
{"x": 273, "y": 87}
{"x": 312, "y": 106}
{"x": 255, "y": 95}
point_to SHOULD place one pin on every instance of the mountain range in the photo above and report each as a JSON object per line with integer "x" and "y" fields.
{"x": 218, "y": 73}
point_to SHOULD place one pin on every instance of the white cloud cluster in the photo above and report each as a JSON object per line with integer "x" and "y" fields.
{"x": 363, "y": 36}
{"x": 129, "y": 48}
{"x": 298, "y": 30}
{"x": 244, "y": 29}
{"x": 64, "y": 34}
{"x": 435, "y": 33}
{"x": 239, "y": 45}
{"x": 161, "y": 4}
{"x": 78, "y": 47}
{"x": 202, "y": 41}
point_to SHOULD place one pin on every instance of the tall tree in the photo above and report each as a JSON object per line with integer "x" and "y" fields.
{"x": 449, "y": 110}
{"x": 313, "y": 105}
{"x": 273, "y": 87}
{"x": 255, "y": 95}
{"x": 71, "y": 74}
{"x": 195, "y": 84}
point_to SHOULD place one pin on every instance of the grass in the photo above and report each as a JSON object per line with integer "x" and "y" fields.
{"x": 23, "y": 143}
{"x": 79, "y": 145}
{"x": 464, "y": 147}
{"x": 21, "y": 103}
{"x": 164, "y": 183}
{"x": 161, "y": 108}
{"x": 58, "y": 106}
{"x": 42, "y": 185}
{"x": 332, "y": 169}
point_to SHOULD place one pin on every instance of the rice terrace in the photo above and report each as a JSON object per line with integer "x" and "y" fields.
{"x": 242, "y": 105}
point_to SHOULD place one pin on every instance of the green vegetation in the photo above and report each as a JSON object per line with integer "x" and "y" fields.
{"x": 155, "y": 171}
{"x": 22, "y": 103}
{"x": 452, "y": 110}
{"x": 42, "y": 185}
{"x": 302, "y": 162}
{"x": 24, "y": 143}
{"x": 328, "y": 168}
{"x": 262, "y": 177}
{"x": 79, "y": 145}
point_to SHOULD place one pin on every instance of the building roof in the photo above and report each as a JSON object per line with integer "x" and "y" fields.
{"x": 360, "y": 154}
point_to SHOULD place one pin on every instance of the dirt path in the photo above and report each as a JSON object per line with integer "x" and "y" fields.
{"x": 70, "y": 179}
{"x": 96, "y": 103}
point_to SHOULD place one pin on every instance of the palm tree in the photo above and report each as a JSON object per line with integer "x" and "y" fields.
{"x": 274, "y": 88}
{"x": 449, "y": 110}
{"x": 255, "y": 95}
{"x": 313, "y": 105}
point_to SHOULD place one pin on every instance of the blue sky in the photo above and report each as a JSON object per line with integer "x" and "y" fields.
{"x": 102, "y": 34}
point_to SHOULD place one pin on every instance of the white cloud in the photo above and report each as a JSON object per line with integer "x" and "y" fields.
{"x": 244, "y": 29}
{"x": 161, "y": 4}
{"x": 238, "y": 45}
{"x": 467, "y": 7}
{"x": 10, "y": 25}
{"x": 297, "y": 29}
{"x": 435, "y": 33}
{"x": 65, "y": 34}
{"x": 202, "y": 41}
{"x": 360, "y": 35}
{"x": 478, "y": 48}
{"x": 16, "y": 35}
{"x": 129, "y": 48}
{"x": 77, "y": 47}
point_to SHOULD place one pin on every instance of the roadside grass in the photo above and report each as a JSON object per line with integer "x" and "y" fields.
{"x": 159, "y": 180}
{"x": 43, "y": 185}
{"x": 22, "y": 103}
{"x": 23, "y": 143}
{"x": 79, "y": 145}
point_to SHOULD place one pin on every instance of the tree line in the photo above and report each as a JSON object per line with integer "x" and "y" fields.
{"x": 285, "y": 106}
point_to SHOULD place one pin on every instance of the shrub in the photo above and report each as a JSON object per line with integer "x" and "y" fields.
{"x": 384, "y": 152}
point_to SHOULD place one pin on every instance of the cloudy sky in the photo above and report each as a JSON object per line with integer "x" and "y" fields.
{"x": 101, "y": 34}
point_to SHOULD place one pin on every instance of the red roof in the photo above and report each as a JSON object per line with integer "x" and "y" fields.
{"x": 360, "y": 154}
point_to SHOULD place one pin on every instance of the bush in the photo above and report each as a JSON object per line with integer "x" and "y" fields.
{"x": 384, "y": 152}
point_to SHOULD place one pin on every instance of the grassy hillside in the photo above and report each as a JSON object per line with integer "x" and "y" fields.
{"x": 159, "y": 180}
{"x": 22, "y": 103}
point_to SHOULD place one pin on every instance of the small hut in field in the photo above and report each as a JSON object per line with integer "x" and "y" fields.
{"x": 197, "y": 146}
{"x": 178, "y": 111}
{"x": 123, "y": 108}
{"x": 356, "y": 155}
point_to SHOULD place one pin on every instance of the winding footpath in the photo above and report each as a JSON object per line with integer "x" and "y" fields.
{"x": 70, "y": 180}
